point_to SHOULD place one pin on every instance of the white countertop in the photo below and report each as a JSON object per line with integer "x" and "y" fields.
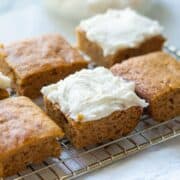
{"x": 161, "y": 162}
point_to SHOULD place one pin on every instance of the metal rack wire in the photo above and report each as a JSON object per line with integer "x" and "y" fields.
{"x": 73, "y": 163}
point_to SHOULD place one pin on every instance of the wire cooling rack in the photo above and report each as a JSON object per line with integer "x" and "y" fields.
{"x": 73, "y": 163}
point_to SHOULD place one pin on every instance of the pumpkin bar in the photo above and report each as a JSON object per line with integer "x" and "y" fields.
{"x": 157, "y": 78}
{"x": 105, "y": 107}
{"x": 27, "y": 135}
{"x": 118, "y": 35}
{"x": 40, "y": 61}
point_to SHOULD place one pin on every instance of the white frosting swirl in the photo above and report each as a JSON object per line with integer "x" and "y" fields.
{"x": 5, "y": 82}
{"x": 93, "y": 94}
{"x": 118, "y": 29}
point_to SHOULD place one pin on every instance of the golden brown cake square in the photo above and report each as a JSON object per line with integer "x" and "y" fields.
{"x": 117, "y": 35}
{"x": 40, "y": 61}
{"x": 95, "y": 52}
{"x": 27, "y": 135}
{"x": 93, "y": 106}
{"x": 83, "y": 134}
{"x": 157, "y": 78}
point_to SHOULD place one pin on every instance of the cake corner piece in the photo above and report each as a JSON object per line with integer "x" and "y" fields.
{"x": 27, "y": 135}
{"x": 39, "y": 61}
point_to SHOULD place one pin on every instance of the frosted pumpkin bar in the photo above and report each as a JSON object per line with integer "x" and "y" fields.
{"x": 118, "y": 35}
{"x": 40, "y": 61}
{"x": 27, "y": 135}
{"x": 93, "y": 106}
{"x": 157, "y": 78}
{"x": 5, "y": 83}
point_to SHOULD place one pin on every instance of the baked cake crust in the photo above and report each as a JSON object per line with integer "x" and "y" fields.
{"x": 94, "y": 51}
{"x": 157, "y": 78}
{"x": 27, "y": 135}
{"x": 83, "y": 134}
{"x": 36, "y": 62}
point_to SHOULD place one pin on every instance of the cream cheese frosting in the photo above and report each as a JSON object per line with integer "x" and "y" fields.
{"x": 117, "y": 29}
{"x": 5, "y": 82}
{"x": 93, "y": 94}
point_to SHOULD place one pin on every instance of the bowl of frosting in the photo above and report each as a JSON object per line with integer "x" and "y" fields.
{"x": 81, "y": 9}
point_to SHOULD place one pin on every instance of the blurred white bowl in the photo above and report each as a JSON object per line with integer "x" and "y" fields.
{"x": 80, "y": 9}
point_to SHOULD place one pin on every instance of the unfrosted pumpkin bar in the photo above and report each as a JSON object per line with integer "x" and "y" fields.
{"x": 40, "y": 61}
{"x": 118, "y": 35}
{"x": 93, "y": 106}
{"x": 27, "y": 135}
{"x": 157, "y": 78}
